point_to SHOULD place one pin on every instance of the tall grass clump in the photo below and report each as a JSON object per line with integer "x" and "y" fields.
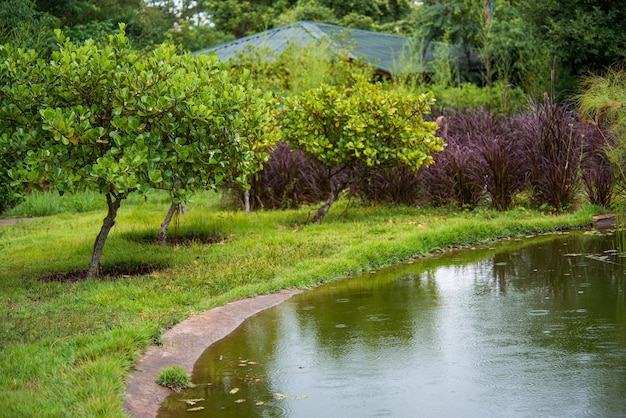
{"x": 597, "y": 173}
{"x": 457, "y": 175}
{"x": 502, "y": 155}
{"x": 554, "y": 148}
{"x": 46, "y": 203}
{"x": 395, "y": 185}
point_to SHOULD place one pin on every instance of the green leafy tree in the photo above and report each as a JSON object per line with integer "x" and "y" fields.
{"x": 584, "y": 35}
{"x": 311, "y": 10}
{"x": 359, "y": 126}
{"x": 192, "y": 37}
{"x": 242, "y": 18}
{"x": 120, "y": 121}
{"x": 23, "y": 91}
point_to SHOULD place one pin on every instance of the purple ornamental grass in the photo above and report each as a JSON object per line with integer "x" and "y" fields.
{"x": 553, "y": 146}
{"x": 596, "y": 174}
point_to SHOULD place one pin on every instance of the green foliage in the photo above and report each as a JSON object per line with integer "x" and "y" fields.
{"x": 498, "y": 98}
{"x": 242, "y": 18}
{"x": 118, "y": 121}
{"x": 362, "y": 125}
{"x": 512, "y": 51}
{"x": 311, "y": 10}
{"x": 297, "y": 69}
{"x": 50, "y": 203}
{"x": 22, "y": 25}
{"x": 174, "y": 377}
{"x": 602, "y": 100}
{"x": 583, "y": 35}
{"x": 191, "y": 37}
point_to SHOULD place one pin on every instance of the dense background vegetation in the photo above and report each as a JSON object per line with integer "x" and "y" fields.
{"x": 504, "y": 121}
{"x": 516, "y": 40}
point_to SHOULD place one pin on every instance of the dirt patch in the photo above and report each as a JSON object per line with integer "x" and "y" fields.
{"x": 183, "y": 345}
{"x": 13, "y": 221}
{"x": 113, "y": 273}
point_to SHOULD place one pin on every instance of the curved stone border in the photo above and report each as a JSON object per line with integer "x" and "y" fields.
{"x": 183, "y": 345}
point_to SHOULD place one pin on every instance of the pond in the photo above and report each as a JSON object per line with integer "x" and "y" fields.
{"x": 525, "y": 328}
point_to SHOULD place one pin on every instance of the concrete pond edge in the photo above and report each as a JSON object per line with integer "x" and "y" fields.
{"x": 183, "y": 345}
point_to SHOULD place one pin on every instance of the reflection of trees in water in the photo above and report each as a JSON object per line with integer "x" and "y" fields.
{"x": 556, "y": 264}
{"x": 368, "y": 313}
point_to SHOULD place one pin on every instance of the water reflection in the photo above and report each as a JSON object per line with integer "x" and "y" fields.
{"x": 535, "y": 327}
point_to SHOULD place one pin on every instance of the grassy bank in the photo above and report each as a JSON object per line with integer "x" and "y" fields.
{"x": 66, "y": 345}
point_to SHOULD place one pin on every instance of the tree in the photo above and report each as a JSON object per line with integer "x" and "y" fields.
{"x": 23, "y": 91}
{"x": 584, "y": 35}
{"x": 359, "y": 126}
{"x": 308, "y": 10}
{"x": 120, "y": 121}
{"x": 242, "y": 18}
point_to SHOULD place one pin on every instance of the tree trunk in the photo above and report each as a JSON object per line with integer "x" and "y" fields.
{"x": 113, "y": 203}
{"x": 334, "y": 192}
{"x": 246, "y": 201}
{"x": 174, "y": 207}
{"x": 487, "y": 5}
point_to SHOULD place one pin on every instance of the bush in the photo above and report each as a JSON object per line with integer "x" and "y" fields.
{"x": 502, "y": 155}
{"x": 554, "y": 148}
{"x": 396, "y": 185}
{"x": 288, "y": 180}
{"x": 596, "y": 165}
{"x": 456, "y": 176}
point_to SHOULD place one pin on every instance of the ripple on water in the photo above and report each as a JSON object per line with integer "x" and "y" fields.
{"x": 539, "y": 312}
{"x": 332, "y": 382}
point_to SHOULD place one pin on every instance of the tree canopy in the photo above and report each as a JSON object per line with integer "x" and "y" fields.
{"x": 120, "y": 121}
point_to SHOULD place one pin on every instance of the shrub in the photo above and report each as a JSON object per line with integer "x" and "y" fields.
{"x": 596, "y": 165}
{"x": 288, "y": 180}
{"x": 553, "y": 145}
{"x": 396, "y": 185}
{"x": 503, "y": 159}
{"x": 456, "y": 176}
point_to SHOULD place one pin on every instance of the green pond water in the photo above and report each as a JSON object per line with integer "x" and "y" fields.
{"x": 534, "y": 327}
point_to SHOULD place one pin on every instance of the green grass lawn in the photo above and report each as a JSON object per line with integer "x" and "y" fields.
{"x": 67, "y": 345}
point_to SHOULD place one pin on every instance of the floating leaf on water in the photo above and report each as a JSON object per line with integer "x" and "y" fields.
{"x": 197, "y": 408}
{"x": 191, "y": 401}
{"x": 234, "y": 390}
{"x": 240, "y": 401}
